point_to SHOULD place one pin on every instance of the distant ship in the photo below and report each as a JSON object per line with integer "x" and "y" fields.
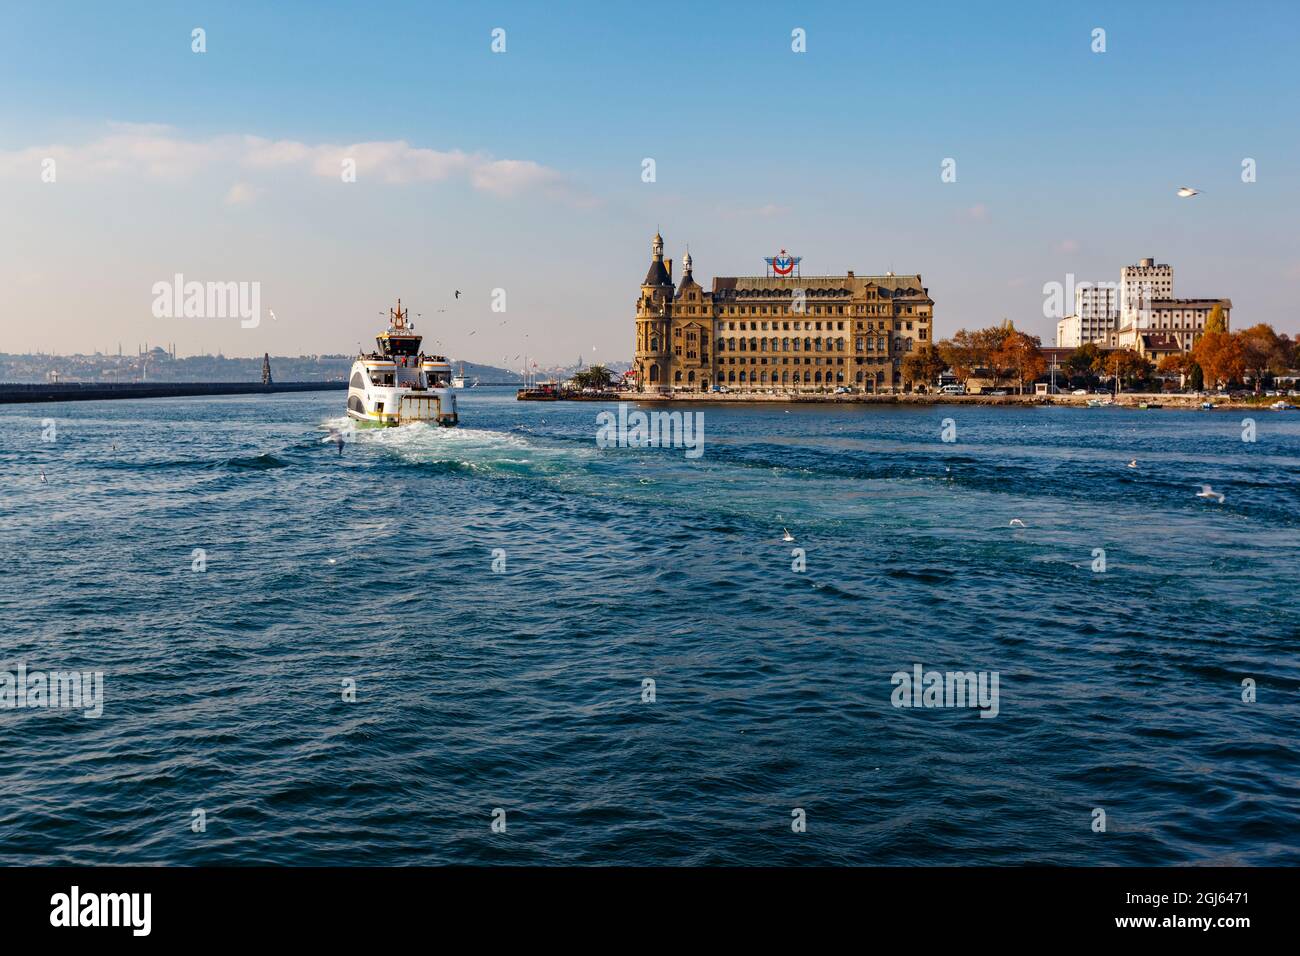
{"x": 398, "y": 383}
{"x": 459, "y": 380}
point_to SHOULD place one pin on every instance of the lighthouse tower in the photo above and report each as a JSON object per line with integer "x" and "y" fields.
{"x": 266, "y": 368}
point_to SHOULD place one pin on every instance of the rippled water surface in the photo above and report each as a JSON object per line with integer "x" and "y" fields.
{"x": 523, "y": 689}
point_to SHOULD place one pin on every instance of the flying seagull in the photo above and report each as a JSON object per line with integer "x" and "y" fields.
{"x": 1016, "y": 523}
{"x": 458, "y": 293}
{"x": 1187, "y": 192}
{"x": 1208, "y": 492}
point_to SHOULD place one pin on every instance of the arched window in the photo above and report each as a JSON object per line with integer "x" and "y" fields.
{"x": 731, "y": 376}
{"x": 677, "y": 376}
{"x": 742, "y": 374}
{"x": 654, "y": 373}
{"x": 357, "y": 381}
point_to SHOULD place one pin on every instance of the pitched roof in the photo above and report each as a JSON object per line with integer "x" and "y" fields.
{"x": 657, "y": 275}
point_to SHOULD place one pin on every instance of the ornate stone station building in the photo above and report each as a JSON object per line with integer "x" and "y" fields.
{"x": 778, "y": 332}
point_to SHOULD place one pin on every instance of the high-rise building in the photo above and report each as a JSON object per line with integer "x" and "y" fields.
{"x": 1139, "y": 285}
{"x": 780, "y": 332}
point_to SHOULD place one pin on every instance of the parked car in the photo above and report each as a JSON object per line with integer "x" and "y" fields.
{"x": 1080, "y": 391}
{"x": 998, "y": 391}
{"x": 723, "y": 389}
{"x": 953, "y": 390}
{"x": 841, "y": 390}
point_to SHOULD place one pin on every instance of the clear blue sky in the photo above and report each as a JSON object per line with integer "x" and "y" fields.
{"x": 1067, "y": 160}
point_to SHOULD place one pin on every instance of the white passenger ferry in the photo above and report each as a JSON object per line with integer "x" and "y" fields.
{"x": 398, "y": 383}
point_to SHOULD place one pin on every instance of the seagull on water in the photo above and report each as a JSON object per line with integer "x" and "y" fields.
{"x": 1208, "y": 492}
{"x": 1133, "y": 463}
{"x": 788, "y": 536}
{"x": 43, "y": 478}
{"x": 1187, "y": 192}
{"x": 1016, "y": 523}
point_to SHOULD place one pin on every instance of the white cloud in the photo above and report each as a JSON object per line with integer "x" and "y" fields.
{"x": 161, "y": 153}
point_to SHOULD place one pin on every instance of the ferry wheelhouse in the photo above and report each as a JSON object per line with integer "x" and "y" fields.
{"x": 398, "y": 383}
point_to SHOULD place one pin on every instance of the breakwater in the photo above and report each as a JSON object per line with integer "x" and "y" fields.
{"x": 11, "y": 394}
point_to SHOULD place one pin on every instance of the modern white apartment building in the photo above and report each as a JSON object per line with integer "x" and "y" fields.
{"x": 1139, "y": 286}
{"x": 1097, "y": 307}
{"x": 1067, "y": 333}
{"x": 1096, "y": 315}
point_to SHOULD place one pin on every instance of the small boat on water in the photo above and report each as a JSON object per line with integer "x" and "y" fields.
{"x": 1094, "y": 403}
{"x": 1207, "y": 405}
{"x": 1150, "y": 405}
{"x": 397, "y": 383}
{"x": 1281, "y": 406}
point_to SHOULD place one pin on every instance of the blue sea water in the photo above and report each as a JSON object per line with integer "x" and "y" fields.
{"x": 521, "y": 689}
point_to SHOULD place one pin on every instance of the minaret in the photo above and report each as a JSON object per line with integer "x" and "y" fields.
{"x": 266, "y": 368}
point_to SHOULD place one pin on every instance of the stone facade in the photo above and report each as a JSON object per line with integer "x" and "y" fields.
{"x": 777, "y": 333}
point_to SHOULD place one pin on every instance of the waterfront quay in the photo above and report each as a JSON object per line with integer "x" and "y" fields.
{"x": 1123, "y": 400}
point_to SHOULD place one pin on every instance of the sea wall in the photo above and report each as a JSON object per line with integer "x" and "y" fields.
{"x": 100, "y": 391}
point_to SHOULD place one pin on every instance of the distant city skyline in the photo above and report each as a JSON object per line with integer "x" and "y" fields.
{"x": 524, "y": 170}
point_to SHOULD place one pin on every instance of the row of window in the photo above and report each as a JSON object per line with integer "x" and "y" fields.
{"x": 785, "y": 345}
{"x": 784, "y": 360}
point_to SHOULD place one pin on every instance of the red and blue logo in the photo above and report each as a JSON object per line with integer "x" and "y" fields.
{"x": 783, "y": 264}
